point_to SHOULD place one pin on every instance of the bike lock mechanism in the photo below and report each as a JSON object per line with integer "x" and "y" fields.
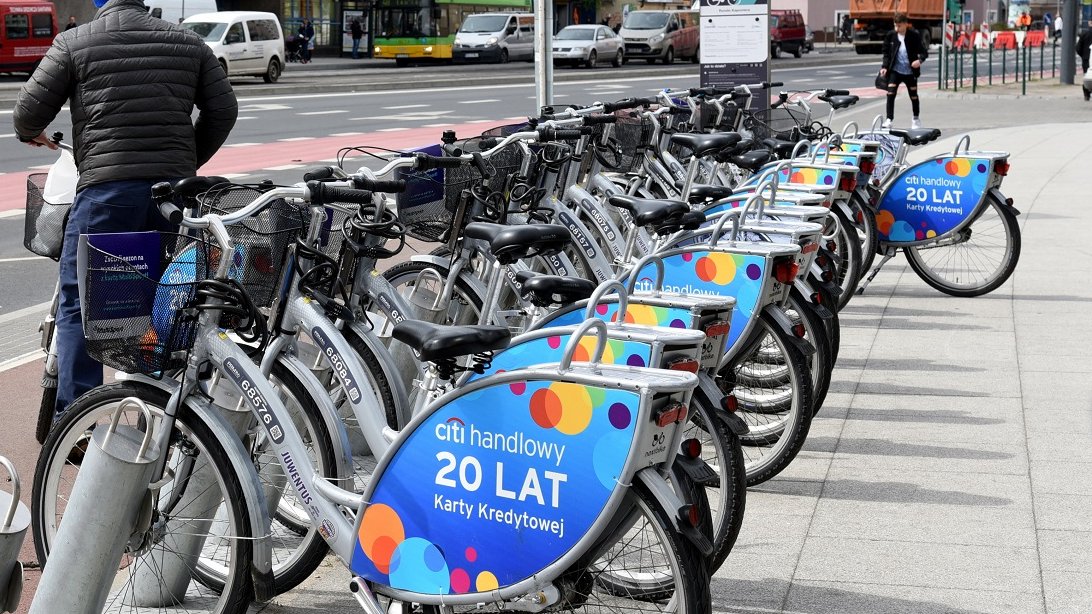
{"x": 13, "y": 528}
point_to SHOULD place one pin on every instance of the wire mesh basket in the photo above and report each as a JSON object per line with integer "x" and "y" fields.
{"x": 427, "y": 207}
{"x": 43, "y": 228}
{"x": 134, "y": 293}
{"x": 779, "y": 123}
{"x": 261, "y": 241}
{"x": 624, "y": 149}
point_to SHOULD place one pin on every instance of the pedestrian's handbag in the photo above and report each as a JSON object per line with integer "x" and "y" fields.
{"x": 881, "y": 80}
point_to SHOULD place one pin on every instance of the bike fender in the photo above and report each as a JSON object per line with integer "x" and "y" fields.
{"x": 697, "y": 470}
{"x": 669, "y": 500}
{"x": 1004, "y": 200}
{"x": 334, "y": 424}
{"x": 844, "y": 207}
{"x": 804, "y": 288}
{"x": 710, "y": 393}
{"x": 783, "y": 321}
{"x": 445, "y": 263}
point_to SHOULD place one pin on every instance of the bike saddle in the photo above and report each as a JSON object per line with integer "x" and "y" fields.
{"x": 436, "y": 342}
{"x": 841, "y": 102}
{"x": 752, "y": 160}
{"x": 691, "y": 220}
{"x": 702, "y": 193}
{"x": 781, "y": 147}
{"x": 647, "y": 211}
{"x": 546, "y": 290}
{"x": 726, "y": 154}
{"x": 190, "y": 187}
{"x": 919, "y": 136}
{"x": 511, "y": 243}
{"x": 703, "y": 144}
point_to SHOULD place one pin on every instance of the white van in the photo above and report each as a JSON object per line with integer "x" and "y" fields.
{"x": 174, "y": 11}
{"x": 661, "y": 35}
{"x": 245, "y": 42}
{"x": 495, "y": 37}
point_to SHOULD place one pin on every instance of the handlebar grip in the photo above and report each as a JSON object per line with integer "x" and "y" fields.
{"x": 426, "y": 162}
{"x": 562, "y": 134}
{"x": 627, "y": 103}
{"x": 452, "y": 149}
{"x": 318, "y": 174}
{"x": 479, "y": 163}
{"x": 375, "y": 185}
{"x": 679, "y": 111}
{"x": 595, "y": 120}
{"x": 322, "y": 193}
{"x": 489, "y": 142}
{"x": 772, "y": 84}
{"x": 170, "y": 212}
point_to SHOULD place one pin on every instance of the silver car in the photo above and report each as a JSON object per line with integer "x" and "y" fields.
{"x": 588, "y": 45}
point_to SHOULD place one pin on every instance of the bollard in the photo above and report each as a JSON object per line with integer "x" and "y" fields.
{"x": 1024, "y": 74}
{"x": 107, "y": 498}
{"x": 1042, "y": 51}
{"x": 989, "y": 56}
{"x": 1004, "y": 60}
{"x": 1053, "y": 61}
{"x": 13, "y": 528}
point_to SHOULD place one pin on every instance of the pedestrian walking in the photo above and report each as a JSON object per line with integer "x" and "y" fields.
{"x": 357, "y": 32}
{"x": 903, "y": 54}
{"x": 1058, "y": 26}
{"x": 847, "y": 29}
{"x": 306, "y": 34}
{"x": 131, "y": 82}
{"x": 71, "y": 23}
{"x": 1084, "y": 45}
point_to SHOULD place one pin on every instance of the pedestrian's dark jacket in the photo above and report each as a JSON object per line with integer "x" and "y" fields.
{"x": 914, "y": 49}
{"x": 1084, "y": 44}
{"x": 131, "y": 81}
{"x": 356, "y": 30}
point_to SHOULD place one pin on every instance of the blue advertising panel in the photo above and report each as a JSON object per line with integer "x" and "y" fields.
{"x": 931, "y": 199}
{"x": 552, "y": 349}
{"x": 494, "y": 486}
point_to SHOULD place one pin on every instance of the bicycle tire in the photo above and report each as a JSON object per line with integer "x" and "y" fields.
{"x": 923, "y": 258}
{"x": 467, "y": 304}
{"x": 820, "y": 364}
{"x": 849, "y": 258}
{"x": 865, "y": 223}
{"x": 294, "y": 560}
{"x": 46, "y": 409}
{"x": 730, "y": 494}
{"x": 235, "y": 592}
{"x": 833, "y": 323}
{"x": 775, "y": 437}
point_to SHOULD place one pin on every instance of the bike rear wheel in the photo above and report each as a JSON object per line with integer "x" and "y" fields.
{"x": 977, "y": 259}
{"x": 220, "y": 581}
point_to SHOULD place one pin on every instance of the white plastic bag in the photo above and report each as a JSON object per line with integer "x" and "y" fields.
{"x": 58, "y": 194}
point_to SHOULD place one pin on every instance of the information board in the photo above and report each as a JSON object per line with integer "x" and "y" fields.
{"x": 735, "y": 36}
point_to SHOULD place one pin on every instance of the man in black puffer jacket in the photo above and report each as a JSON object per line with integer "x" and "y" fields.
{"x": 131, "y": 81}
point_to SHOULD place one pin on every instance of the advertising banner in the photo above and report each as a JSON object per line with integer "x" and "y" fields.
{"x": 932, "y": 198}
{"x": 735, "y": 43}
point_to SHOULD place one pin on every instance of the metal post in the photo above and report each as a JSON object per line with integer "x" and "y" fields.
{"x": 944, "y": 43}
{"x": 1054, "y": 59}
{"x": 1069, "y": 40}
{"x": 990, "y": 57}
{"x": 955, "y": 70}
{"x": 1024, "y": 73}
{"x": 974, "y": 70}
{"x": 1004, "y": 62}
{"x": 544, "y": 56}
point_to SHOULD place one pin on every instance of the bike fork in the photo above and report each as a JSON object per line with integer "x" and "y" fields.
{"x": 888, "y": 254}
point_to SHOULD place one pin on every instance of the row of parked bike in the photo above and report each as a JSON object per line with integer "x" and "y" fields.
{"x": 629, "y": 317}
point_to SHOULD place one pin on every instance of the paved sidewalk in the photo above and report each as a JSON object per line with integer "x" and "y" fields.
{"x": 949, "y": 471}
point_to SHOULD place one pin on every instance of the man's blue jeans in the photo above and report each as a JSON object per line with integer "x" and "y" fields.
{"x": 356, "y": 48}
{"x": 114, "y": 206}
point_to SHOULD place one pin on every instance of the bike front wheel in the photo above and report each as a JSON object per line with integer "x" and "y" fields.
{"x": 214, "y": 521}
{"x": 977, "y": 259}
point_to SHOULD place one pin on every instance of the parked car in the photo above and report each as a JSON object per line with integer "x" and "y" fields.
{"x": 661, "y": 35}
{"x": 245, "y": 42}
{"x": 588, "y": 45}
{"x": 495, "y": 37}
{"x": 787, "y": 32}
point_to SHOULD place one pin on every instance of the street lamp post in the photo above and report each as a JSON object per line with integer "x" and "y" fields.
{"x": 544, "y": 55}
{"x": 1069, "y": 40}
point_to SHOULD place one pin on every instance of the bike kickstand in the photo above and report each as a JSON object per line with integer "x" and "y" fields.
{"x": 875, "y": 270}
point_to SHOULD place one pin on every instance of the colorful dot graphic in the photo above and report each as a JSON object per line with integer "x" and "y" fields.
{"x": 381, "y": 532}
{"x": 562, "y": 406}
{"x": 716, "y": 267}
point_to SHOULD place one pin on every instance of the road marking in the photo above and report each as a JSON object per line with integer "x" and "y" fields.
{"x": 19, "y": 361}
{"x": 247, "y": 117}
{"x": 234, "y": 175}
{"x": 12, "y": 213}
{"x": 347, "y": 134}
{"x": 251, "y": 108}
{"x": 284, "y": 167}
{"x": 481, "y": 121}
{"x": 405, "y": 106}
{"x": 436, "y": 125}
{"x": 25, "y": 311}
{"x": 7, "y": 135}
{"x": 241, "y": 144}
{"x": 296, "y": 138}
{"x": 391, "y": 129}
{"x": 41, "y": 167}
{"x": 322, "y": 112}
{"x": 479, "y": 101}
{"x": 22, "y": 259}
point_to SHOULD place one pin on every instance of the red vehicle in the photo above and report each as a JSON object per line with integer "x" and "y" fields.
{"x": 27, "y": 28}
{"x": 788, "y": 32}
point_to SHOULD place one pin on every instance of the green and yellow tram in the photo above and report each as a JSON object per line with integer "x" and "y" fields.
{"x": 408, "y": 30}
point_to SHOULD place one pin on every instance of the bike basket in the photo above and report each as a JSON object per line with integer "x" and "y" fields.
{"x": 427, "y": 207}
{"x": 135, "y": 289}
{"x": 779, "y": 123}
{"x": 43, "y": 228}
{"x": 624, "y": 149}
{"x": 261, "y": 242}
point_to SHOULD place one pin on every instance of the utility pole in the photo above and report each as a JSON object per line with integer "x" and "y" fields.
{"x": 1069, "y": 41}
{"x": 544, "y": 54}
